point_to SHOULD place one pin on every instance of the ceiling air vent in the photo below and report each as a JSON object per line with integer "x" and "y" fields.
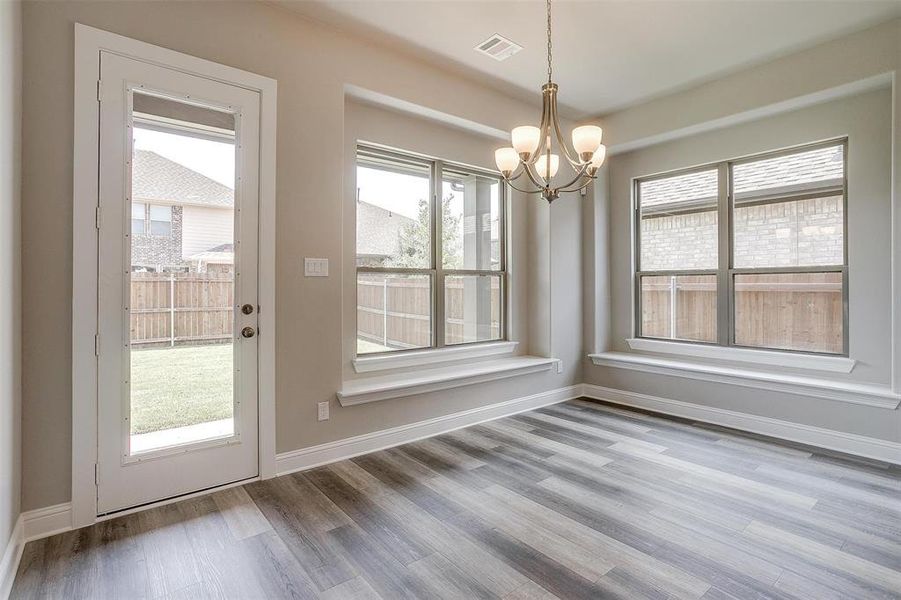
{"x": 498, "y": 47}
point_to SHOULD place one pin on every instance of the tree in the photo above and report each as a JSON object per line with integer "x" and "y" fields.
{"x": 415, "y": 249}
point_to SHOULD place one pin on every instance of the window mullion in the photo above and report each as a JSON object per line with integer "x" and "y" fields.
{"x": 724, "y": 255}
{"x": 437, "y": 258}
{"x": 636, "y": 259}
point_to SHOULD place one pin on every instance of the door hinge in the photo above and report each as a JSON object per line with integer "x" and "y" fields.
{"x": 99, "y": 90}
{"x": 97, "y": 216}
{"x": 97, "y": 345}
{"x": 96, "y": 474}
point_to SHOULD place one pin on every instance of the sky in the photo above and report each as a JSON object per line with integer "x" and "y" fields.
{"x": 400, "y": 193}
{"x": 216, "y": 160}
{"x": 394, "y": 192}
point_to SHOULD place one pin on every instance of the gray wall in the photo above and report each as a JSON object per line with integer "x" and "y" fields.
{"x": 10, "y": 258}
{"x": 690, "y": 128}
{"x": 313, "y": 65}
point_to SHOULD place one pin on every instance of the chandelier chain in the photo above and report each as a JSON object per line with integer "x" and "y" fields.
{"x": 532, "y": 153}
{"x": 549, "y": 44}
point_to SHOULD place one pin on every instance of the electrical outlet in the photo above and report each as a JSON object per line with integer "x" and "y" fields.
{"x": 559, "y": 366}
{"x": 323, "y": 411}
{"x": 315, "y": 267}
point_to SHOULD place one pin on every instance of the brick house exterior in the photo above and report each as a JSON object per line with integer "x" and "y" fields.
{"x": 679, "y": 216}
{"x": 806, "y": 232}
{"x": 160, "y": 252}
{"x": 159, "y": 182}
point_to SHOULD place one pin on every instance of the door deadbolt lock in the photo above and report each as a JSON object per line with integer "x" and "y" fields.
{"x": 247, "y": 309}
{"x": 248, "y": 332}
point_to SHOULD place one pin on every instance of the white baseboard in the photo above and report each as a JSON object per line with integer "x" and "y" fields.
{"x": 46, "y": 521}
{"x": 829, "y": 439}
{"x": 315, "y": 456}
{"x": 9, "y": 564}
{"x": 31, "y": 525}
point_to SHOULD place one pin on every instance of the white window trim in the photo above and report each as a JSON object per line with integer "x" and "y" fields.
{"x": 386, "y": 387}
{"x": 416, "y": 358}
{"x": 795, "y": 360}
{"x": 879, "y": 396}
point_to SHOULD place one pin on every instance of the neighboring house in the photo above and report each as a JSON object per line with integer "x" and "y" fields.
{"x": 378, "y": 233}
{"x": 679, "y": 218}
{"x": 184, "y": 221}
{"x": 178, "y": 215}
{"x": 220, "y": 259}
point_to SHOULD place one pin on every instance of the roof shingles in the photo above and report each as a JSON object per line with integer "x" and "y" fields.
{"x": 808, "y": 167}
{"x": 156, "y": 178}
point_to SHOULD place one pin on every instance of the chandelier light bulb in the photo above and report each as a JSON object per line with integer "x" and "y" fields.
{"x": 525, "y": 139}
{"x": 530, "y": 154}
{"x": 599, "y": 155}
{"x": 507, "y": 160}
{"x": 541, "y": 166}
{"x": 587, "y": 139}
{"x": 597, "y": 159}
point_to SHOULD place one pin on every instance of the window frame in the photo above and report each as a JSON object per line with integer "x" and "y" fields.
{"x": 150, "y": 220}
{"x": 436, "y": 271}
{"x": 726, "y": 271}
{"x": 144, "y": 218}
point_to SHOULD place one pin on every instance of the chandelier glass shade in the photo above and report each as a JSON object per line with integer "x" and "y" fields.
{"x": 535, "y": 152}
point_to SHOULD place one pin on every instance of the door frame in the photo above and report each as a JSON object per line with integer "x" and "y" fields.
{"x": 89, "y": 42}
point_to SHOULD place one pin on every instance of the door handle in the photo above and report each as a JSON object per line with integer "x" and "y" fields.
{"x": 248, "y": 332}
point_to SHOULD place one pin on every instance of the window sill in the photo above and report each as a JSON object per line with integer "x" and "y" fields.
{"x": 386, "y": 387}
{"x": 813, "y": 362}
{"x": 880, "y": 396}
{"x": 417, "y": 358}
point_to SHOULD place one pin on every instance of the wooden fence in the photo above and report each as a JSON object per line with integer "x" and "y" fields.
{"x": 407, "y": 323}
{"x": 181, "y": 308}
{"x": 797, "y": 311}
{"x": 803, "y": 312}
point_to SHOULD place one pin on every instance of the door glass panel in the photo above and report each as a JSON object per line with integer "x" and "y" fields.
{"x": 182, "y": 292}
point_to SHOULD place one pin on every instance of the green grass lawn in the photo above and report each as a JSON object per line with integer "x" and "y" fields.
{"x": 174, "y": 387}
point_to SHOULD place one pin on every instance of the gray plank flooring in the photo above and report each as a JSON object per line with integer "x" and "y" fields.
{"x": 576, "y": 500}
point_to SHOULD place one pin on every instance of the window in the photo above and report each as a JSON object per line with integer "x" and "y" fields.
{"x": 138, "y": 218}
{"x": 160, "y": 220}
{"x": 748, "y": 252}
{"x": 430, "y": 253}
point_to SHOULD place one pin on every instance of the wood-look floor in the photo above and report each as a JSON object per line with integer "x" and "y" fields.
{"x": 578, "y": 500}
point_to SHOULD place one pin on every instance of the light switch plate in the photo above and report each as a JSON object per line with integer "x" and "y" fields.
{"x": 315, "y": 267}
{"x": 323, "y": 411}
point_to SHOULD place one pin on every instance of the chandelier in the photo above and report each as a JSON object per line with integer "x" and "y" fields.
{"x": 533, "y": 151}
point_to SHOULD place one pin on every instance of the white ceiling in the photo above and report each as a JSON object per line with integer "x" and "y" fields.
{"x": 607, "y": 54}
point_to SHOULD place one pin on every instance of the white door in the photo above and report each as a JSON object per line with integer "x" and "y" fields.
{"x": 177, "y": 367}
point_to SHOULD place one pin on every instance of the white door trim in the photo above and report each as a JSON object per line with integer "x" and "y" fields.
{"x": 88, "y": 44}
